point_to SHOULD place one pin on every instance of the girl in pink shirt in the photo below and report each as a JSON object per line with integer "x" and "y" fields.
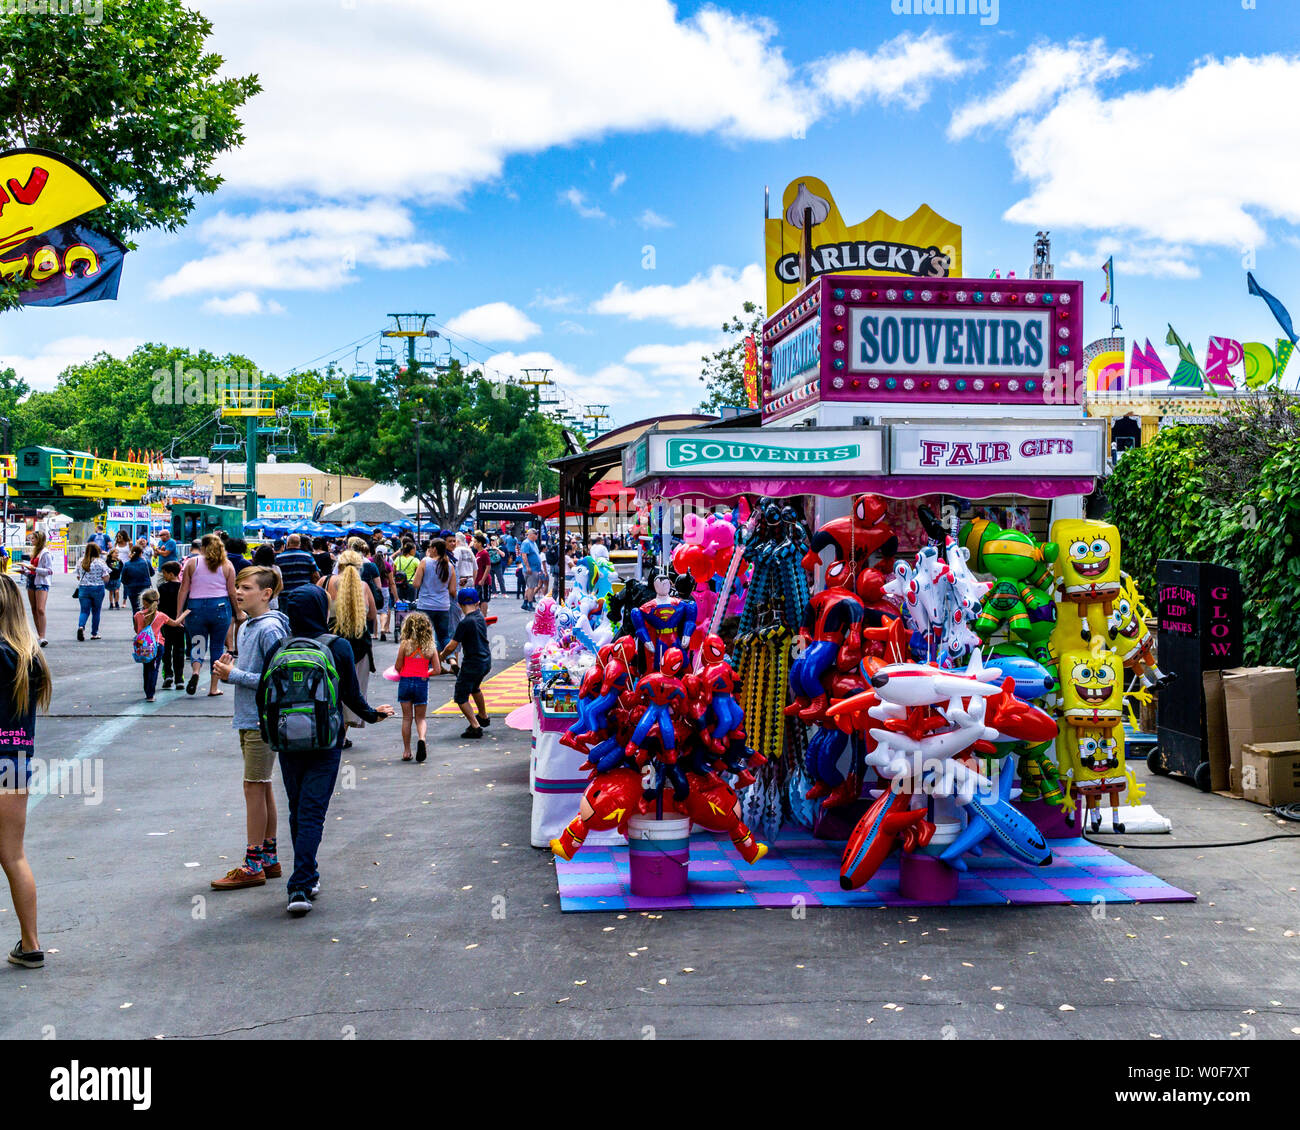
{"x": 150, "y": 617}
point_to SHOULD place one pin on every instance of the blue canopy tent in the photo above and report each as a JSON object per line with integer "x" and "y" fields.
{"x": 329, "y": 530}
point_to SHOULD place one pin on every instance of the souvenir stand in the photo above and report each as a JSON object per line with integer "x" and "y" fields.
{"x": 940, "y": 392}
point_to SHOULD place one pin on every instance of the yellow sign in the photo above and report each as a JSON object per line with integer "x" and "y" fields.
{"x": 924, "y": 245}
{"x": 39, "y": 191}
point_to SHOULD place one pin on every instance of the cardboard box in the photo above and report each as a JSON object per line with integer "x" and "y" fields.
{"x": 1270, "y": 773}
{"x": 1216, "y": 730}
{"x": 1260, "y": 706}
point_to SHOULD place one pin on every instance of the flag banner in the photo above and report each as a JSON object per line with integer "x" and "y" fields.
{"x": 1220, "y": 355}
{"x": 1188, "y": 373}
{"x": 1279, "y": 311}
{"x": 70, "y": 264}
{"x": 751, "y": 371}
{"x": 1283, "y": 354}
{"x": 40, "y": 190}
{"x": 1103, "y": 362}
{"x": 1260, "y": 364}
{"x": 1147, "y": 368}
{"x": 1108, "y": 291}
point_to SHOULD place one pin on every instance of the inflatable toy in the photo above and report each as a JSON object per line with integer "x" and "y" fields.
{"x": 1131, "y": 636}
{"x": 1087, "y": 567}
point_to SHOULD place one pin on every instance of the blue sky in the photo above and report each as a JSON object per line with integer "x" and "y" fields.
{"x": 507, "y": 175}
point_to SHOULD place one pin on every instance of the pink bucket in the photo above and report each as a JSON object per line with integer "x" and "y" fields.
{"x": 658, "y": 855}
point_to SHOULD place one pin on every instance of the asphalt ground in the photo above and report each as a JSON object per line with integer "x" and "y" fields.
{"x": 437, "y": 919}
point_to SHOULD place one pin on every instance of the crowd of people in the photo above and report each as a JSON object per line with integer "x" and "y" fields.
{"x": 320, "y": 604}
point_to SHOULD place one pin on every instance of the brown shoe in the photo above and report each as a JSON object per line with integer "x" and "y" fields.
{"x": 272, "y": 870}
{"x": 240, "y": 877}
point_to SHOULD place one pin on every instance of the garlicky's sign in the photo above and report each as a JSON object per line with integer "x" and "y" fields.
{"x": 922, "y": 246}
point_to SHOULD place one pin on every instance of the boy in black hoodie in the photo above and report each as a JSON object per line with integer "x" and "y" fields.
{"x": 309, "y": 778}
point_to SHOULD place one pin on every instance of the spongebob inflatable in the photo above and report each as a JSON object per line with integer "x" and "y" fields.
{"x": 1087, "y": 566}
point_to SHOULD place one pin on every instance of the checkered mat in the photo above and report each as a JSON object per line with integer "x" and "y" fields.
{"x": 503, "y": 692}
{"x": 799, "y": 866}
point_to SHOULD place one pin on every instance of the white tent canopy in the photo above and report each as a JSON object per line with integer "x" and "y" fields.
{"x": 390, "y": 494}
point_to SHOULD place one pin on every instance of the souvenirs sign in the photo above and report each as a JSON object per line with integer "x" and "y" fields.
{"x": 755, "y": 452}
{"x": 924, "y": 245}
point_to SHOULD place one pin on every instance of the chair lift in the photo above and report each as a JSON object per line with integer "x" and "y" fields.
{"x": 303, "y": 408}
{"x": 321, "y": 424}
{"x": 385, "y": 358}
{"x": 281, "y": 442}
{"x": 227, "y": 440}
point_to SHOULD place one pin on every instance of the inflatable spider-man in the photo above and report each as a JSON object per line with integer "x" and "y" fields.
{"x": 657, "y": 739}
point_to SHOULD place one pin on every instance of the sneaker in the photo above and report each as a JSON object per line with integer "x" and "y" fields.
{"x": 483, "y": 720}
{"x": 315, "y": 891}
{"x": 28, "y": 959}
{"x": 45, "y": 643}
{"x": 242, "y": 876}
{"x": 472, "y": 732}
{"x": 299, "y": 903}
{"x": 81, "y": 635}
{"x": 167, "y": 684}
{"x": 421, "y": 752}
{"x": 95, "y": 636}
{"x": 271, "y": 861}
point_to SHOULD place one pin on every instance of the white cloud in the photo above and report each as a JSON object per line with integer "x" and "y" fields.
{"x": 707, "y": 301}
{"x": 1041, "y": 74}
{"x": 571, "y": 327}
{"x": 673, "y": 360}
{"x": 245, "y": 302}
{"x": 41, "y": 369}
{"x": 1153, "y": 260}
{"x": 577, "y": 199}
{"x": 554, "y": 301}
{"x": 652, "y": 219}
{"x": 496, "y": 321}
{"x": 310, "y": 249}
{"x": 1201, "y": 163}
{"x": 465, "y": 93}
{"x": 619, "y": 180}
{"x": 902, "y": 70}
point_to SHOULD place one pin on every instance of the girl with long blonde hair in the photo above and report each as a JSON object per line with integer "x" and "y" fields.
{"x": 417, "y": 660}
{"x": 352, "y": 615}
{"x": 25, "y": 687}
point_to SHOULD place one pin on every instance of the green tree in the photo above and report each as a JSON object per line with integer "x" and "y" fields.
{"x": 476, "y": 432}
{"x": 110, "y": 403}
{"x": 134, "y": 99}
{"x": 724, "y": 371}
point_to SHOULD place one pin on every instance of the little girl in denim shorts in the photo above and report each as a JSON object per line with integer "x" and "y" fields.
{"x": 417, "y": 660}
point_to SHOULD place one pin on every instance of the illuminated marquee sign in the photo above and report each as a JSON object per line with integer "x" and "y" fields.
{"x": 944, "y": 341}
{"x": 957, "y": 447}
{"x": 797, "y": 354}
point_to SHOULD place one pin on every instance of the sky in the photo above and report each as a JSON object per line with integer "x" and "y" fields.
{"x": 578, "y": 184}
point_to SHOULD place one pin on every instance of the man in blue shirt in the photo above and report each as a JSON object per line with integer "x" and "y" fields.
{"x": 532, "y": 568}
{"x": 167, "y": 550}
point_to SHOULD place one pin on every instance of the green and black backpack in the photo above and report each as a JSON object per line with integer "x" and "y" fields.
{"x": 298, "y": 698}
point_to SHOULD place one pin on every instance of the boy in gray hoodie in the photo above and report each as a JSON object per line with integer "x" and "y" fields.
{"x": 259, "y": 632}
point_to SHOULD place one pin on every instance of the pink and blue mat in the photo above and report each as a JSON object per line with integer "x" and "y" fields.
{"x": 801, "y": 867}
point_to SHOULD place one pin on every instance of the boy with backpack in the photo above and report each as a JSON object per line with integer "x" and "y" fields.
{"x": 306, "y": 683}
{"x": 471, "y": 634}
{"x": 147, "y": 647}
{"x": 257, "y": 636}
